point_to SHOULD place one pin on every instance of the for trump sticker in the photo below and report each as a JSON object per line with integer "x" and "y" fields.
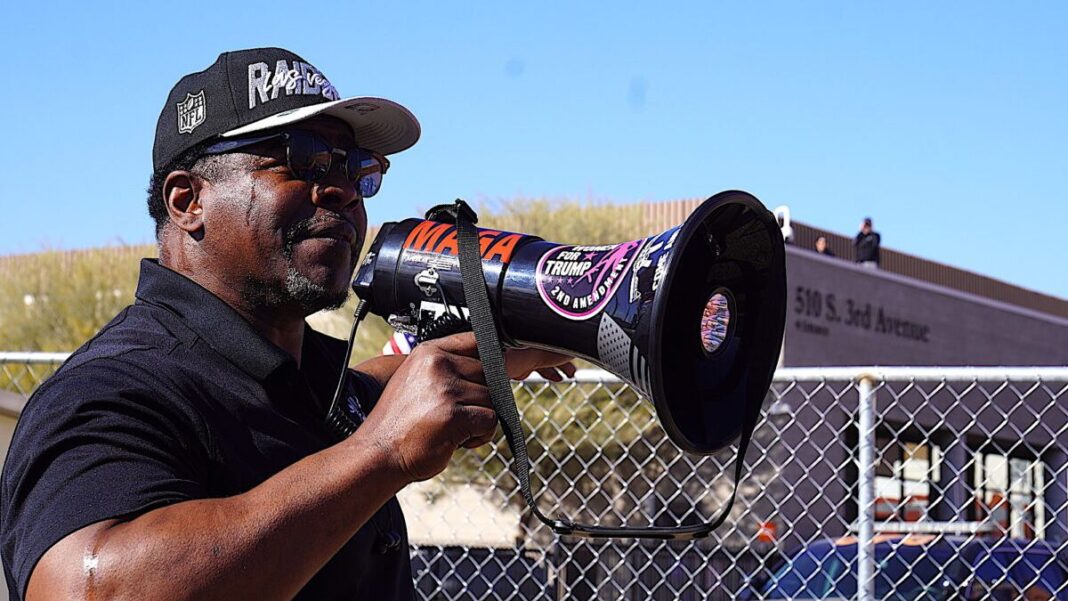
{"x": 577, "y": 282}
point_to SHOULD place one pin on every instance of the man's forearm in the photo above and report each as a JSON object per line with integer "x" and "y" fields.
{"x": 381, "y": 368}
{"x": 263, "y": 544}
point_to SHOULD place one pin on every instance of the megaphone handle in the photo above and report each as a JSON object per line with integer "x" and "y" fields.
{"x": 489, "y": 350}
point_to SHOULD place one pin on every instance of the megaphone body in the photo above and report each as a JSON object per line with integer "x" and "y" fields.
{"x": 692, "y": 317}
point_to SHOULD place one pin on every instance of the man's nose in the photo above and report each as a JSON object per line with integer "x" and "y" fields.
{"x": 335, "y": 191}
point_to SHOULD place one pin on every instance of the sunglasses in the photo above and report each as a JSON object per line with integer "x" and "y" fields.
{"x": 310, "y": 158}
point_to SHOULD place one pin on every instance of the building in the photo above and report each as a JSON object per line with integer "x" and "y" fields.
{"x": 954, "y": 455}
{"x": 843, "y": 314}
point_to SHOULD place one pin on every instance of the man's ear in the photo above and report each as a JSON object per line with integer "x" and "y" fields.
{"x": 182, "y": 197}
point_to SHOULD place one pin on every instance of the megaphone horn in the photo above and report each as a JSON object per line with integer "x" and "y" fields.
{"x": 692, "y": 317}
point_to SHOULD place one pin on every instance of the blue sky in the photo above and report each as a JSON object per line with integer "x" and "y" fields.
{"x": 945, "y": 122}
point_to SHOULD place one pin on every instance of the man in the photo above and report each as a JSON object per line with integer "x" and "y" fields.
{"x": 866, "y": 245}
{"x": 182, "y": 452}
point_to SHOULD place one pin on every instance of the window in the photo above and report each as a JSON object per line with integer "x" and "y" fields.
{"x": 903, "y": 478}
{"x": 1008, "y": 490}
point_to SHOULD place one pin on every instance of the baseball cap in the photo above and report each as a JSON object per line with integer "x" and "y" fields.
{"x": 248, "y": 91}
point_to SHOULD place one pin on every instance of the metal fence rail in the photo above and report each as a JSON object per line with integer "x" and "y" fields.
{"x": 975, "y": 460}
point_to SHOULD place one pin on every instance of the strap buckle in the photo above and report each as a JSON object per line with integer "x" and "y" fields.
{"x": 451, "y": 212}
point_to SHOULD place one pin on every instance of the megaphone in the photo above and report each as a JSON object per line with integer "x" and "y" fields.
{"x": 692, "y": 317}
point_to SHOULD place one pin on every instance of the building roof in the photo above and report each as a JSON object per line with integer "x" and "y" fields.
{"x": 660, "y": 216}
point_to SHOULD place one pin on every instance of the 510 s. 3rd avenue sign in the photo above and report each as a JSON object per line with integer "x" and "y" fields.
{"x": 843, "y": 314}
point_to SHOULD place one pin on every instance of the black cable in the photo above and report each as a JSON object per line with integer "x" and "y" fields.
{"x": 336, "y": 418}
{"x": 388, "y": 539}
{"x": 445, "y": 299}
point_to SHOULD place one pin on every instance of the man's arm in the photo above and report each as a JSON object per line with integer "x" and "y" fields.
{"x": 264, "y": 544}
{"x": 381, "y": 368}
{"x": 519, "y": 363}
{"x": 267, "y": 543}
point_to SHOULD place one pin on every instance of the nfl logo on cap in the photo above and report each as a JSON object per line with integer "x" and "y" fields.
{"x": 191, "y": 112}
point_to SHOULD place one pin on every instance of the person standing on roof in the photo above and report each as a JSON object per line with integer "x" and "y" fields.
{"x": 866, "y": 245}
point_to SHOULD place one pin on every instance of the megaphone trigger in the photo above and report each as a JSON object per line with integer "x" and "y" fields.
{"x": 443, "y": 325}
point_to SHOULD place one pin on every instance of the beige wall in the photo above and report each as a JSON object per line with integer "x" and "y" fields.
{"x": 7, "y": 428}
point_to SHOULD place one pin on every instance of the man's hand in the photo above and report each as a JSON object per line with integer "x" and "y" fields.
{"x": 437, "y": 401}
{"x": 521, "y": 362}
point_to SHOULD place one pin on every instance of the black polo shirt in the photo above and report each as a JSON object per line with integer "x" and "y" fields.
{"x": 180, "y": 398}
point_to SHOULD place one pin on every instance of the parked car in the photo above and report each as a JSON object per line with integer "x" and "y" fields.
{"x": 922, "y": 566}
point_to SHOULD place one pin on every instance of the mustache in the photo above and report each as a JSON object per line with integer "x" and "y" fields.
{"x": 301, "y": 230}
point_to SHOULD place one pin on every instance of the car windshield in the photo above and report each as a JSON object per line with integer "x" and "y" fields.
{"x": 903, "y": 573}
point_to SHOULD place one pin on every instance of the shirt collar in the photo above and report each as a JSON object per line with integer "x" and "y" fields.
{"x": 216, "y": 322}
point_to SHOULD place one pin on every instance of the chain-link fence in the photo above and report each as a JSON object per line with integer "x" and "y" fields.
{"x": 892, "y": 483}
{"x": 21, "y": 373}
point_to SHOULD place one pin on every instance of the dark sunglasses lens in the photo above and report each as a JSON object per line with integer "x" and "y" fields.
{"x": 370, "y": 174}
{"x": 309, "y": 157}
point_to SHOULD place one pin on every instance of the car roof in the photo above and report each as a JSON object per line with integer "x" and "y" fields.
{"x": 848, "y": 544}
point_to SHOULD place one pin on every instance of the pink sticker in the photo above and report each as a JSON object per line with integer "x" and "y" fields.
{"x": 578, "y": 281}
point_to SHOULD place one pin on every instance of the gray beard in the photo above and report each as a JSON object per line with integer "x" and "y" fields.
{"x": 312, "y": 297}
{"x": 297, "y": 291}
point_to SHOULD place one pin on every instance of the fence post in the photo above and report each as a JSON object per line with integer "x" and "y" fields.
{"x": 866, "y": 496}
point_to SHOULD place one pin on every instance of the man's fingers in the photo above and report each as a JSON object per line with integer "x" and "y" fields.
{"x": 466, "y": 393}
{"x": 568, "y": 369}
{"x": 525, "y": 360}
{"x": 481, "y": 422}
{"x": 476, "y": 400}
{"x": 458, "y": 344}
{"x": 477, "y": 441}
{"x": 542, "y": 358}
{"x": 520, "y": 362}
{"x": 469, "y": 368}
{"x": 551, "y": 374}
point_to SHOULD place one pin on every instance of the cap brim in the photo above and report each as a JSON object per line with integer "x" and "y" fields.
{"x": 380, "y": 125}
